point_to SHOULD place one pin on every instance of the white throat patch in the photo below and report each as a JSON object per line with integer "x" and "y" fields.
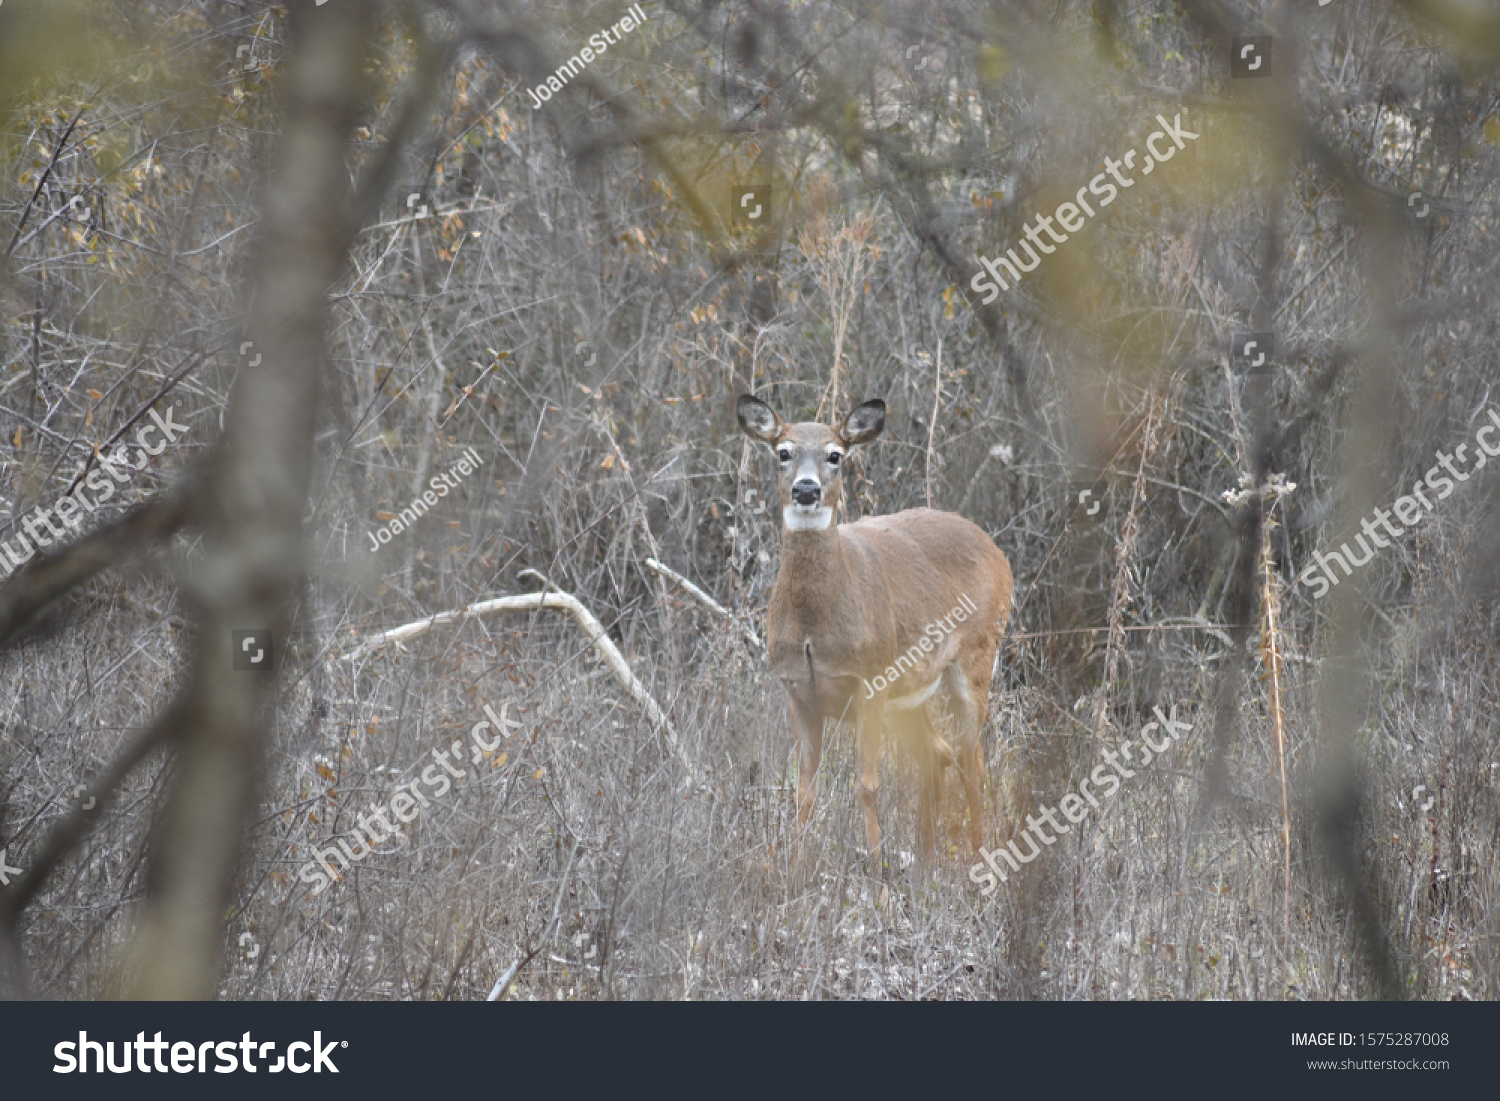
{"x": 798, "y": 519}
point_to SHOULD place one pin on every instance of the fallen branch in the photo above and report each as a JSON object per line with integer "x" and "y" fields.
{"x": 567, "y": 602}
{"x": 707, "y": 601}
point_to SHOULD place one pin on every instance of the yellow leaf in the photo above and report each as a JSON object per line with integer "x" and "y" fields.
{"x": 537, "y": 775}
{"x": 385, "y": 516}
{"x": 500, "y": 760}
{"x": 992, "y": 62}
{"x": 608, "y": 463}
{"x": 95, "y": 395}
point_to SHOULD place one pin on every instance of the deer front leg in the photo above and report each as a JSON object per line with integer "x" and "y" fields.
{"x": 870, "y": 723}
{"x": 808, "y": 726}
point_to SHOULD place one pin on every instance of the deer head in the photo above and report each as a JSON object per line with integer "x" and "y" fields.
{"x": 809, "y": 457}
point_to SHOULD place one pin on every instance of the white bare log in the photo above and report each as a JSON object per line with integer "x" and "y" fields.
{"x": 525, "y": 602}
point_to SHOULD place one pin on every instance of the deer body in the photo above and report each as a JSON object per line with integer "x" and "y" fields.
{"x": 869, "y": 621}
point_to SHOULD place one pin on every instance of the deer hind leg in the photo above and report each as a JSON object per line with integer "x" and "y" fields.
{"x": 969, "y": 691}
{"x": 916, "y": 732}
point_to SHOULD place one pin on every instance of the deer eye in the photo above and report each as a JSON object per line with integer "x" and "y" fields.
{"x": 833, "y": 458}
{"x": 784, "y": 455}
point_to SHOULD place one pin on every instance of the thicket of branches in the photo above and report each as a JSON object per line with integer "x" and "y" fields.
{"x": 342, "y": 245}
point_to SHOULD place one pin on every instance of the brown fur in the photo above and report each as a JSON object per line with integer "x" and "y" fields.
{"x": 850, "y": 598}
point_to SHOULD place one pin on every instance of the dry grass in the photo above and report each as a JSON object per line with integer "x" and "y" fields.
{"x": 566, "y": 315}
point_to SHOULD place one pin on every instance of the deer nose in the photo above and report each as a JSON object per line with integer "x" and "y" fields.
{"x": 806, "y": 492}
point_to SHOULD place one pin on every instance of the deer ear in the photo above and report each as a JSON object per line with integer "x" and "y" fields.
{"x": 864, "y": 422}
{"x": 757, "y": 419}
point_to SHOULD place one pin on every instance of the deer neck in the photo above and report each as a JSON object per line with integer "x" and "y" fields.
{"x": 814, "y": 576}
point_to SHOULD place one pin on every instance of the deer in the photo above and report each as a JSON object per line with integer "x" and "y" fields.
{"x": 869, "y": 620}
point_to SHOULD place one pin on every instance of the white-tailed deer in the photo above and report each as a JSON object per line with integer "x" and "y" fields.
{"x": 869, "y": 619}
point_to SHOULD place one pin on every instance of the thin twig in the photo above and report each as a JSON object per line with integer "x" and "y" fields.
{"x": 42, "y": 181}
{"x": 1271, "y": 654}
{"x": 937, "y": 393}
{"x": 1124, "y": 555}
{"x": 502, "y": 984}
{"x": 708, "y": 602}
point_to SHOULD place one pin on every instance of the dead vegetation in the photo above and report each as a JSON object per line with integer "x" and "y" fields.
{"x": 581, "y": 306}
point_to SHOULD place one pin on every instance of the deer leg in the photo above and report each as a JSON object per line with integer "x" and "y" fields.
{"x": 870, "y": 723}
{"x": 969, "y": 691}
{"x": 943, "y": 757}
{"x": 931, "y": 754}
{"x": 941, "y": 749}
{"x": 808, "y": 726}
